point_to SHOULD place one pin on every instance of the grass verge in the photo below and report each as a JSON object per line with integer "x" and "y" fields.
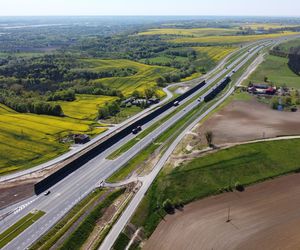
{"x": 20, "y": 226}
{"x": 121, "y": 242}
{"x": 80, "y": 235}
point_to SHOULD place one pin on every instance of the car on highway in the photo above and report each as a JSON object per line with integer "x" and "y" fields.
{"x": 176, "y": 103}
{"x": 136, "y": 130}
{"x": 47, "y": 192}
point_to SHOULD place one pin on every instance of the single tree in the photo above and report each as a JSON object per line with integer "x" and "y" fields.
{"x": 209, "y": 138}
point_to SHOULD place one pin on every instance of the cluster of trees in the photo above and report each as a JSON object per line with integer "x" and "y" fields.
{"x": 35, "y": 106}
{"x": 50, "y": 67}
{"x": 276, "y": 51}
{"x": 96, "y": 89}
{"x": 175, "y": 76}
{"x": 64, "y": 95}
{"x": 91, "y": 75}
{"x": 55, "y": 68}
{"x": 147, "y": 93}
{"x": 286, "y": 101}
{"x": 110, "y": 109}
{"x": 294, "y": 60}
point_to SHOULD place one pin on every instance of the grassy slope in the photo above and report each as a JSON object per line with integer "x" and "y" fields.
{"x": 285, "y": 47}
{"x": 277, "y": 71}
{"x": 210, "y": 174}
{"x": 28, "y": 139}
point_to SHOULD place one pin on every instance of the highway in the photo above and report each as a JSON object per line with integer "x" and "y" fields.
{"x": 65, "y": 194}
{"x": 148, "y": 180}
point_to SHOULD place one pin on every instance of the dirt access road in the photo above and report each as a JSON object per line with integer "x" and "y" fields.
{"x": 265, "y": 216}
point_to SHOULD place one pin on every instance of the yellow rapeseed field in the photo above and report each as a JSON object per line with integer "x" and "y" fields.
{"x": 29, "y": 139}
{"x": 85, "y": 106}
{"x": 215, "y": 40}
{"x": 216, "y": 53}
{"x": 145, "y": 77}
{"x": 197, "y": 32}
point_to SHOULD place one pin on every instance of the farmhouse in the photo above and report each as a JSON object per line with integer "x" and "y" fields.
{"x": 262, "y": 89}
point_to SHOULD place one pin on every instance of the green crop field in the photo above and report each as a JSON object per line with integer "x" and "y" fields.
{"x": 277, "y": 71}
{"x": 285, "y": 47}
{"x": 28, "y": 139}
{"x": 216, "y": 53}
{"x": 145, "y": 77}
{"x": 212, "y": 174}
{"x": 85, "y": 106}
{"x": 218, "y": 40}
{"x": 190, "y": 32}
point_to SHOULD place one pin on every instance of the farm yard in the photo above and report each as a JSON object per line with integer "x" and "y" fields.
{"x": 28, "y": 139}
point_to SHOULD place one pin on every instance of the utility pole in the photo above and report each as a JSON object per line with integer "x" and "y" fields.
{"x": 228, "y": 215}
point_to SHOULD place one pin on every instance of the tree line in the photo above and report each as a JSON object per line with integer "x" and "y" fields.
{"x": 26, "y": 105}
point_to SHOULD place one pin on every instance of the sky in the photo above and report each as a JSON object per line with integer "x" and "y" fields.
{"x": 150, "y": 7}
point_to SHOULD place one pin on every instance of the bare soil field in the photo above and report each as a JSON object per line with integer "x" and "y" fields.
{"x": 264, "y": 216}
{"x": 242, "y": 121}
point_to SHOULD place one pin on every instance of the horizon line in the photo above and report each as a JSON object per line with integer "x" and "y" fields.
{"x": 152, "y": 15}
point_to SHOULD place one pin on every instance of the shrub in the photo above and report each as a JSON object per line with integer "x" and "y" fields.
{"x": 239, "y": 187}
{"x": 168, "y": 206}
